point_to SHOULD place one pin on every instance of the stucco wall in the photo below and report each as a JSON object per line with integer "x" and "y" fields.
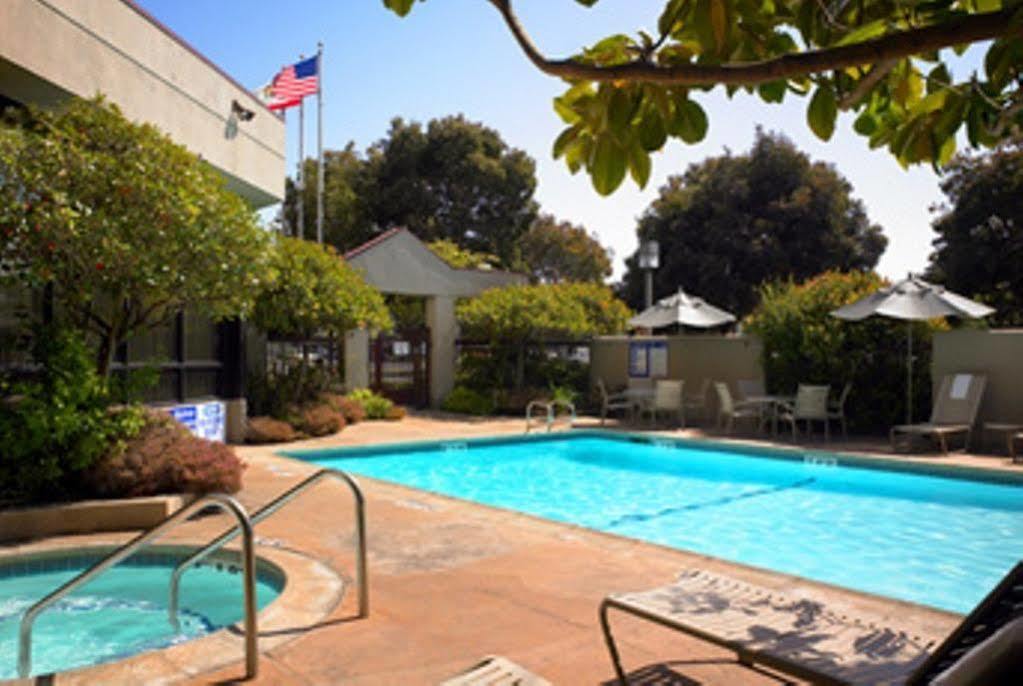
{"x": 52, "y": 48}
{"x": 998, "y": 353}
{"x": 691, "y": 358}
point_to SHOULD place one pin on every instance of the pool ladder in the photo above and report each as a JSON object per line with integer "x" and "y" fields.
{"x": 244, "y": 527}
{"x": 549, "y": 413}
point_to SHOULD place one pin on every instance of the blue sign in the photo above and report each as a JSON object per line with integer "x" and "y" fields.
{"x": 206, "y": 420}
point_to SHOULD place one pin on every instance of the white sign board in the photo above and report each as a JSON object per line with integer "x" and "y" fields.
{"x": 206, "y": 420}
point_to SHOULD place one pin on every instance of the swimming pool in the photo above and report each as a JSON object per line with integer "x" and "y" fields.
{"x": 119, "y": 613}
{"x": 928, "y": 539}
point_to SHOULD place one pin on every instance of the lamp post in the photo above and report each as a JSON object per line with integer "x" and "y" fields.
{"x": 649, "y": 260}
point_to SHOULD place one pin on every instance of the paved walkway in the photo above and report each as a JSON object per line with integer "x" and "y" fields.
{"x": 453, "y": 581}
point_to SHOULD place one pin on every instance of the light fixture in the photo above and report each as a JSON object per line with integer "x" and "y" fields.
{"x": 649, "y": 260}
{"x": 243, "y": 113}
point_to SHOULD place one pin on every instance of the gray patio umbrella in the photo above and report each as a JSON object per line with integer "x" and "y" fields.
{"x": 912, "y": 299}
{"x": 681, "y": 308}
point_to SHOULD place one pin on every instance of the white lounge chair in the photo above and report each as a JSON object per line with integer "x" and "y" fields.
{"x": 668, "y": 399}
{"x": 954, "y": 412}
{"x": 810, "y": 405}
{"x": 836, "y": 409}
{"x": 611, "y": 402}
{"x": 495, "y": 670}
{"x": 729, "y": 410}
{"x": 804, "y": 637}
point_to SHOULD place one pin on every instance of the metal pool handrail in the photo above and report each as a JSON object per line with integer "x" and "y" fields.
{"x": 221, "y": 500}
{"x": 550, "y": 414}
{"x": 362, "y": 577}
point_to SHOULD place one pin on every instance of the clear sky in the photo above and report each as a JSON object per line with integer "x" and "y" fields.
{"x": 452, "y": 56}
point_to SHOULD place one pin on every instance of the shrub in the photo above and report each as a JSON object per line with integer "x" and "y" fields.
{"x": 467, "y": 401}
{"x": 376, "y": 406}
{"x": 59, "y": 423}
{"x": 320, "y": 420}
{"x": 803, "y": 343}
{"x": 396, "y": 413}
{"x": 350, "y": 409}
{"x": 269, "y": 430}
{"x": 164, "y": 457}
{"x": 278, "y": 393}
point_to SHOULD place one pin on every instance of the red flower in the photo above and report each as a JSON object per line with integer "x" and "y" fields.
{"x": 99, "y": 266}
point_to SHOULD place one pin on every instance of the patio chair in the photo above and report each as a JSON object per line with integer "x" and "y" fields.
{"x": 836, "y": 408}
{"x": 495, "y": 670}
{"x": 810, "y": 640}
{"x": 810, "y": 405}
{"x": 668, "y": 398}
{"x": 697, "y": 403}
{"x": 954, "y": 412}
{"x": 729, "y": 410}
{"x": 611, "y": 402}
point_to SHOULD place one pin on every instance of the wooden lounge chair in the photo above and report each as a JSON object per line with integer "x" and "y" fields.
{"x": 808, "y": 640}
{"x": 954, "y": 412}
{"x": 496, "y": 671}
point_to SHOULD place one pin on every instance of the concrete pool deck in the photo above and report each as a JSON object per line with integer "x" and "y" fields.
{"x": 452, "y": 581}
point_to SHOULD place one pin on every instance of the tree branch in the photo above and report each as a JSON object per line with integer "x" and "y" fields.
{"x": 894, "y": 46}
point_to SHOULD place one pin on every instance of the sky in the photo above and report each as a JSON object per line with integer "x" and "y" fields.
{"x": 456, "y": 56}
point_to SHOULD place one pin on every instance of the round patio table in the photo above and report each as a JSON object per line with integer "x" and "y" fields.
{"x": 770, "y": 404}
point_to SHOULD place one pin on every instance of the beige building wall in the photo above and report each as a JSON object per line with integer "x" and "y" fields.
{"x": 52, "y": 49}
{"x": 692, "y": 358}
{"x": 997, "y": 353}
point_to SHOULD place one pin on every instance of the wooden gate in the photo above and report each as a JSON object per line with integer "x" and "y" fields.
{"x": 401, "y": 366}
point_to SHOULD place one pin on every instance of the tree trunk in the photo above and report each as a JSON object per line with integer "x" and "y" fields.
{"x": 105, "y": 354}
{"x": 520, "y": 368}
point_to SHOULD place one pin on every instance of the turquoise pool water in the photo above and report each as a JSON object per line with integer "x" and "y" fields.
{"x": 932, "y": 540}
{"x": 119, "y": 613}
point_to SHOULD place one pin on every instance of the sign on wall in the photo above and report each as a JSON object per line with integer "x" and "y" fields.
{"x": 648, "y": 359}
{"x": 206, "y": 420}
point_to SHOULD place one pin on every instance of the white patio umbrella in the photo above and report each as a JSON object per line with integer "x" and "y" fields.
{"x": 912, "y": 299}
{"x": 681, "y": 308}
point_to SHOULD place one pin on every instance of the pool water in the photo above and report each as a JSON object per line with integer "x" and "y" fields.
{"x": 938, "y": 541}
{"x": 119, "y": 613}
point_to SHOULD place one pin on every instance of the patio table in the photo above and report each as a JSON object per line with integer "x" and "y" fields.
{"x": 1010, "y": 431}
{"x": 642, "y": 398}
{"x": 770, "y": 403}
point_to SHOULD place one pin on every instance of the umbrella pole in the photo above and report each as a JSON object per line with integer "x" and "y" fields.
{"x": 909, "y": 372}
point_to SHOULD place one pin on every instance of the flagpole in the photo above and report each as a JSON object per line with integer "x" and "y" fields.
{"x": 319, "y": 142}
{"x": 301, "y": 176}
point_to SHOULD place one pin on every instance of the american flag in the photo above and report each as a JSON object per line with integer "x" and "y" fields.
{"x": 293, "y": 83}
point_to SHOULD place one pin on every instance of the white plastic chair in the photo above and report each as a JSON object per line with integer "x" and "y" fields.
{"x": 811, "y": 405}
{"x": 729, "y": 410}
{"x": 611, "y": 402}
{"x": 668, "y": 398}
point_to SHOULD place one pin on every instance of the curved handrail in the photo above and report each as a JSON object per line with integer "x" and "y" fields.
{"x": 277, "y": 503}
{"x": 221, "y": 500}
{"x": 553, "y": 414}
{"x": 529, "y": 413}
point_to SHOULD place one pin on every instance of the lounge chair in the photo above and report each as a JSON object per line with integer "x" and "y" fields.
{"x": 806, "y": 639}
{"x": 611, "y": 402}
{"x": 810, "y": 405}
{"x": 954, "y": 412}
{"x": 729, "y": 410}
{"x": 836, "y": 409}
{"x": 667, "y": 399}
{"x": 496, "y": 671}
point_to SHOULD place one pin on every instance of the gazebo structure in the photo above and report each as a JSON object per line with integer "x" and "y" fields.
{"x": 413, "y": 367}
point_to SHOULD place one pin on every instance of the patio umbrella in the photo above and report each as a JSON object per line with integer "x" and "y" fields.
{"x": 681, "y": 308}
{"x": 912, "y": 299}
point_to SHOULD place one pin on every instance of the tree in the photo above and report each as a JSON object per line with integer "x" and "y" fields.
{"x": 513, "y": 317}
{"x": 803, "y": 343}
{"x": 732, "y": 222}
{"x": 554, "y": 251}
{"x": 127, "y": 227}
{"x": 347, "y": 220}
{"x": 316, "y": 291}
{"x": 878, "y": 58}
{"x": 460, "y": 258}
{"x": 979, "y": 247}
